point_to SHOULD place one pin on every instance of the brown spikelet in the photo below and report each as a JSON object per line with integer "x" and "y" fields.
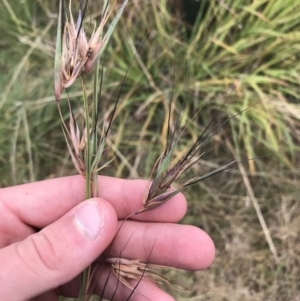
{"x": 76, "y": 54}
{"x": 167, "y": 170}
{"x": 125, "y": 269}
{"x": 75, "y": 142}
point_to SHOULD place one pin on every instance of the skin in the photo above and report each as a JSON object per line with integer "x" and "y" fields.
{"x": 43, "y": 249}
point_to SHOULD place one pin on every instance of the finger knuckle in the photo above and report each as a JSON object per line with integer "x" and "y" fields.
{"x": 44, "y": 252}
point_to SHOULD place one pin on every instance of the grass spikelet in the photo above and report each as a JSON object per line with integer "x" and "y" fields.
{"x": 166, "y": 170}
{"x": 76, "y": 54}
{"x": 136, "y": 269}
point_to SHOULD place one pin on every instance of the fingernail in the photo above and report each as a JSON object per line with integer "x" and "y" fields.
{"x": 89, "y": 220}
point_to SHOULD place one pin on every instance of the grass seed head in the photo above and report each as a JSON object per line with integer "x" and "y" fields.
{"x": 78, "y": 54}
{"x": 125, "y": 269}
{"x": 166, "y": 170}
{"x": 75, "y": 54}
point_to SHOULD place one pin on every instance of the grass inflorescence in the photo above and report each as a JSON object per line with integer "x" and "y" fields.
{"x": 246, "y": 52}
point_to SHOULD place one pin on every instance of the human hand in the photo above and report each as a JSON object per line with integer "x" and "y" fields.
{"x": 43, "y": 248}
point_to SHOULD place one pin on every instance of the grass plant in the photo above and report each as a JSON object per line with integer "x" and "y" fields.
{"x": 246, "y": 52}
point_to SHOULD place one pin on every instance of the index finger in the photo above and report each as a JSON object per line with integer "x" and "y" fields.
{"x": 41, "y": 203}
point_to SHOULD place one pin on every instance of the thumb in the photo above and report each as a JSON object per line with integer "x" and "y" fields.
{"x": 58, "y": 253}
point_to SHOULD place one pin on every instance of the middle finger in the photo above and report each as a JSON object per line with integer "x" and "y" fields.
{"x": 180, "y": 246}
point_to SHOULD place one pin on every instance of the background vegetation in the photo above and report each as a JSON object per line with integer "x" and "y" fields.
{"x": 235, "y": 60}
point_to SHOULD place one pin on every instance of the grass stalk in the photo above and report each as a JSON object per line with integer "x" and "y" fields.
{"x": 259, "y": 214}
{"x": 89, "y": 146}
{"x": 91, "y": 179}
{"x": 88, "y": 183}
